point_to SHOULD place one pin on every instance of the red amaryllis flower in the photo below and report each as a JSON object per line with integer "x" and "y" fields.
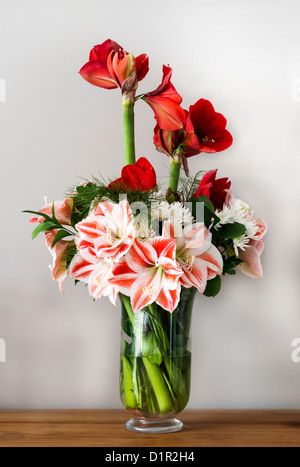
{"x": 204, "y": 131}
{"x": 210, "y": 127}
{"x": 214, "y": 189}
{"x": 110, "y": 66}
{"x": 165, "y": 102}
{"x": 140, "y": 176}
{"x": 184, "y": 141}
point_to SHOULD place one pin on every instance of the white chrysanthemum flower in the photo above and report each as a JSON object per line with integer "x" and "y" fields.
{"x": 177, "y": 213}
{"x": 239, "y": 212}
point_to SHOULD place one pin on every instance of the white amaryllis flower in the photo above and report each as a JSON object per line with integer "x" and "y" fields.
{"x": 149, "y": 273}
{"x": 108, "y": 231}
{"x": 199, "y": 259}
{"x": 235, "y": 210}
{"x": 95, "y": 272}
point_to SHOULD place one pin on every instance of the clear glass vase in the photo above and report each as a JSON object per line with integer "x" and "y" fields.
{"x": 155, "y": 371}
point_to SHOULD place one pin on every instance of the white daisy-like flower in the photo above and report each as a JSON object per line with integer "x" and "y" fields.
{"x": 238, "y": 211}
{"x": 177, "y": 213}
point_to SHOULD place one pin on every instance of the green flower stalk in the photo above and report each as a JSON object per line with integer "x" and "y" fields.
{"x": 172, "y": 194}
{"x": 128, "y": 127}
{"x": 155, "y": 361}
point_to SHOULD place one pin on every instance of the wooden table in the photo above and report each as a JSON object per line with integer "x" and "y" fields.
{"x": 96, "y": 428}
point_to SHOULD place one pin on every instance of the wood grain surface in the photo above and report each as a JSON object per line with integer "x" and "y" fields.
{"x": 98, "y": 428}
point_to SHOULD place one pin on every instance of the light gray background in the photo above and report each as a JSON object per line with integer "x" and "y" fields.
{"x": 244, "y": 56}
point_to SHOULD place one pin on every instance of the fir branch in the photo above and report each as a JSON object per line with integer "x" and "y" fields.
{"x": 189, "y": 185}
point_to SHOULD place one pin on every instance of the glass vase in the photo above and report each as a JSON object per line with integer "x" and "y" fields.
{"x": 155, "y": 370}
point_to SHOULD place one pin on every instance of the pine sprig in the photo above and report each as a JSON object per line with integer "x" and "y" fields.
{"x": 87, "y": 196}
{"x": 189, "y": 185}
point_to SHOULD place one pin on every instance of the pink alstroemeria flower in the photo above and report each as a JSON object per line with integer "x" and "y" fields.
{"x": 95, "y": 273}
{"x": 149, "y": 273}
{"x": 252, "y": 266}
{"x": 59, "y": 253}
{"x": 108, "y": 232}
{"x": 252, "y": 251}
{"x": 198, "y": 258}
{"x": 62, "y": 209}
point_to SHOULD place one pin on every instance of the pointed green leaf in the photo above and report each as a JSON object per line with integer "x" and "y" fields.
{"x": 39, "y": 214}
{"x": 59, "y": 236}
{"x": 207, "y": 202}
{"x": 230, "y": 231}
{"x": 53, "y": 212}
{"x": 213, "y": 287}
{"x": 42, "y": 227}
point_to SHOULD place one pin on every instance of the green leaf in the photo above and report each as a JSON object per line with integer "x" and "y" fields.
{"x": 53, "y": 212}
{"x": 59, "y": 236}
{"x": 217, "y": 220}
{"x": 209, "y": 210}
{"x": 230, "y": 231}
{"x": 229, "y": 264}
{"x": 213, "y": 287}
{"x": 151, "y": 350}
{"x": 207, "y": 202}
{"x": 39, "y": 214}
{"x": 42, "y": 227}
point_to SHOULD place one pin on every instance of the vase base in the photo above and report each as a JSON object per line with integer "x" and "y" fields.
{"x": 154, "y": 426}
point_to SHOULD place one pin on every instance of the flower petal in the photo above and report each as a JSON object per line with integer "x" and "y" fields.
{"x": 145, "y": 289}
{"x": 123, "y": 277}
{"x": 169, "y": 115}
{"x": 98, "y": 281}
{"x": 169, "y": 299}
{"x": 252, "y": 266}
{"x": 141, "y": 255}
{"x": 195, "y": 276}
{"x": 96, "y": 73}
{"x": 164, "y": 247}
{"x": 81, "y": 269}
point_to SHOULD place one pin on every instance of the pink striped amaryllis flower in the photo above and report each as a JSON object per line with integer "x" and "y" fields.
{"x": 150, "y": 273}
{"x": 59, "y": 252}
{"x": 95, "y": 272}
{"x": 107, "y": 233}
{"x": 198, "y": 258}
{"x": 62, "y": 210}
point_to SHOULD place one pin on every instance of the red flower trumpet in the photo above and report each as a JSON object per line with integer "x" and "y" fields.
{"x": 214, "y": 189}
{"x": 165, "y": 102}
{"x": 204, "y": 131}
{"x": 110, "y": 66}
{"x": 138, "y": 177}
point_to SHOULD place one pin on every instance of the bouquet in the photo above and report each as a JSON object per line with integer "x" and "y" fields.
{"x": 154, "y": 248}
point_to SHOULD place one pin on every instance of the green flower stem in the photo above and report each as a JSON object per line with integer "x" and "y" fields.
{"x": 128, "y": 128}
{"x": 127, "y": 304}
{"x": 153, "y": 370}
{"x": 159, "y": 386}
{"x": 128, "y": 384}
{"x": 174, "y": 180}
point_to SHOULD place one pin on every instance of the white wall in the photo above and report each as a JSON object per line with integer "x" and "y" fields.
{"x": 243, "y": 55}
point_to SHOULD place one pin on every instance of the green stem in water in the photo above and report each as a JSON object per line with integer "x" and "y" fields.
{"x": 130, "y": 399}
{"x": 153, "y": 371}
{"x": 160, "y": 389}
{"x": 128, "y": 129}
